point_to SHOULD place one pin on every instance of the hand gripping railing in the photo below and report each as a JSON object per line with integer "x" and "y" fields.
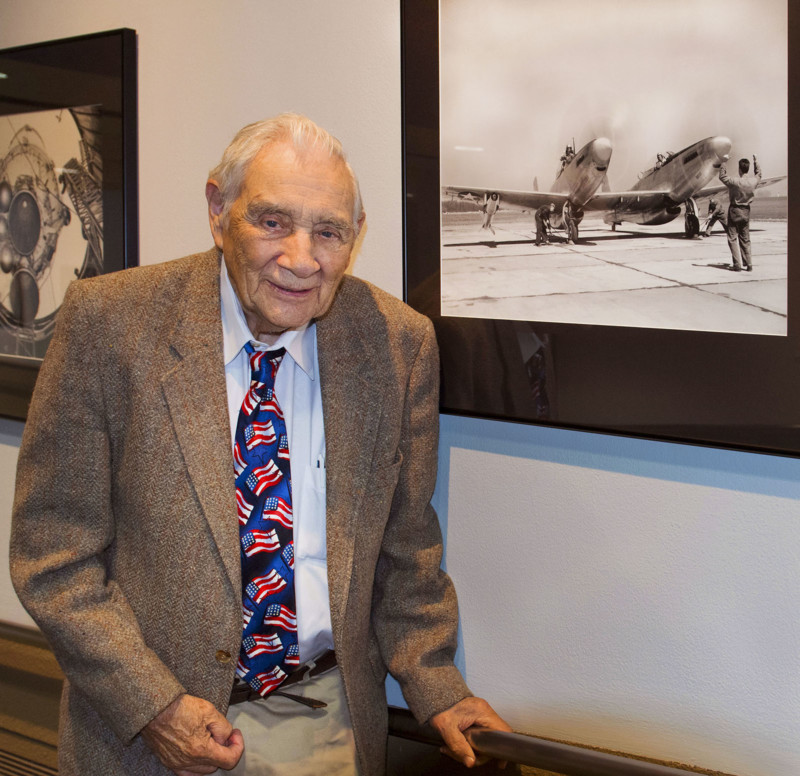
{"x": 534, "y": 752}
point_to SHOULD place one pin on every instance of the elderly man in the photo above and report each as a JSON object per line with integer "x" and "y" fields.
{"x": 222, "y": 502}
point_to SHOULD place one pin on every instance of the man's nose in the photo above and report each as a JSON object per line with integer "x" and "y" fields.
{"x": 298, "y": 254}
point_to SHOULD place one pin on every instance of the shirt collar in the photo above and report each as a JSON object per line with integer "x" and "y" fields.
{"x": 300, "y": 343}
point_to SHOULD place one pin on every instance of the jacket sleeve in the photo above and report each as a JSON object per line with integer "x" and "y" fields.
{"x": 63, "y": 526}
{"x": 415, "y": 613}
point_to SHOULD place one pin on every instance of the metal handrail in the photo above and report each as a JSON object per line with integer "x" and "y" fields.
{"x": 565, "y": 759}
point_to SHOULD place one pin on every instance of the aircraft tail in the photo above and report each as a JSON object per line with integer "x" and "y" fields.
{"x": 536, "y": 184}
{"x": 604, "y": 185}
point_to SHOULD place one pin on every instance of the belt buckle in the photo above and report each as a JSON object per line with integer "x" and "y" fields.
{"x": 242, "y": 692}
{"x": 312, "y": 668}
{"x": 306, "y": 671}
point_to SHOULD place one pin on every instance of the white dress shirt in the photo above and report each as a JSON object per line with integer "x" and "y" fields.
{"x": 298, "y": 392}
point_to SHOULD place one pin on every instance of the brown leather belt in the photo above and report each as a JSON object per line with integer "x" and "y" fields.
{"x": 241, "y": 692}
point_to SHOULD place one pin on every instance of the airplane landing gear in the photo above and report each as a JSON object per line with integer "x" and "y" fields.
{"x": 691, "y": 221}
{"x": 572, "y": 232}
{"x": 571, "y": 219}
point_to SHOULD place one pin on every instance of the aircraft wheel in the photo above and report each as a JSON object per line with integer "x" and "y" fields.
{"x": 572, "y": 232}
{"x": 692, "y": 225}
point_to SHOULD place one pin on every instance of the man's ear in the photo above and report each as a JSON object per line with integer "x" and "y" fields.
{"x": 360, "y": 233}
{"x": 215, "y": 208}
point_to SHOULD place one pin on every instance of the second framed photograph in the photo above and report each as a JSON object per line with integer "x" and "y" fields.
{"x": 68, "y": 187}
{"x": 598, "y": 214}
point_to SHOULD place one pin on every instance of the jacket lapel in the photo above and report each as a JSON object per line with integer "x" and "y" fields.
{"x": 352, "y": 407}
{"x": 196, "y": 394}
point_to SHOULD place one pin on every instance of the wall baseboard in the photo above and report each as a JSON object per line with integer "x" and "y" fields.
{"x": 30, "y": 689}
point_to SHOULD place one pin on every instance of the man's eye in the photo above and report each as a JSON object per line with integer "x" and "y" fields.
{"x": 329, "y": 234}
{"x": 271, "y": 223}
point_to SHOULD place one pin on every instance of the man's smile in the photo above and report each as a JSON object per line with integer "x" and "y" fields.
{"x": 299, "y": 292}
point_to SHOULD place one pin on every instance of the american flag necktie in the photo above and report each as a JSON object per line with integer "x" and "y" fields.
{"x": 269, "y": 650}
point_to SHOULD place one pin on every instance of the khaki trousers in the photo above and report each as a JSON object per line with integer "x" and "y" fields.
{"x": 285, "y": 738}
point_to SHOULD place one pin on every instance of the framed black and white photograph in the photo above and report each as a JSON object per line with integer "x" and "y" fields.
{"x": 568, "y": 175}
{"x": 68, "y": 193}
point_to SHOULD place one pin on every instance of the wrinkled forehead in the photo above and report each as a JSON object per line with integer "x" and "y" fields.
{"x": 300, "y": 177}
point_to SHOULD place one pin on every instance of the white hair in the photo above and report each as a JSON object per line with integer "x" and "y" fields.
{"x": 299, "y": 130}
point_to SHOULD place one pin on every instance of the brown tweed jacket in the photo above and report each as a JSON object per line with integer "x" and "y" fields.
{"x": 125, "y": 544}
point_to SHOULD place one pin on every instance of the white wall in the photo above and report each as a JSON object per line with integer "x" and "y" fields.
{"x": 634, "y": 595}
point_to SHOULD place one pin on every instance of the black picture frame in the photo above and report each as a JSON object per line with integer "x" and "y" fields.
{"x": 727, "y": 390}
{"x": 89, "y": 83}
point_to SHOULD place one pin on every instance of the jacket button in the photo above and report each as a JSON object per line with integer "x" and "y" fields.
{"x": 223, "y": 656}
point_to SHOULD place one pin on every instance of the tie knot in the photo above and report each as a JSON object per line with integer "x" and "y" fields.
{"x": 264, "y": 364}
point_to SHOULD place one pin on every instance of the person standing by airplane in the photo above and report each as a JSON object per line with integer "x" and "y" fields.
{"x": 542, "y": 218}
{"x": 741, "y": 190}
{"x": 715, "y": 213}
{"x": 490, "y": 205}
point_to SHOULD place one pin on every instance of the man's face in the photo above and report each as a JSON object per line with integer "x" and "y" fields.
{"x": 288, "y": 238}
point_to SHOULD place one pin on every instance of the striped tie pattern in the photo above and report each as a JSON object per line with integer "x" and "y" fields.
{"x": 269, "y": 650}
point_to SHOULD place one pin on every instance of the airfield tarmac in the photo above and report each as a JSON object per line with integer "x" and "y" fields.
{"x": 643, "y": 276}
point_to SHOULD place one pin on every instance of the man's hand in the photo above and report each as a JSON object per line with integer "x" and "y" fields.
{"x": 190, "y": 736}
{"x": 452, "y": 723}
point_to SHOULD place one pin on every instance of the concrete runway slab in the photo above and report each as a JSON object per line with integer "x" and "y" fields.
{"x": 768, "y": 295}
{"x": 636, "y": 276}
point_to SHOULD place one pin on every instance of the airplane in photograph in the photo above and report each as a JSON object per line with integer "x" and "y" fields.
{"x": 675, "y": 182}
{"x": 581, "y": 174}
